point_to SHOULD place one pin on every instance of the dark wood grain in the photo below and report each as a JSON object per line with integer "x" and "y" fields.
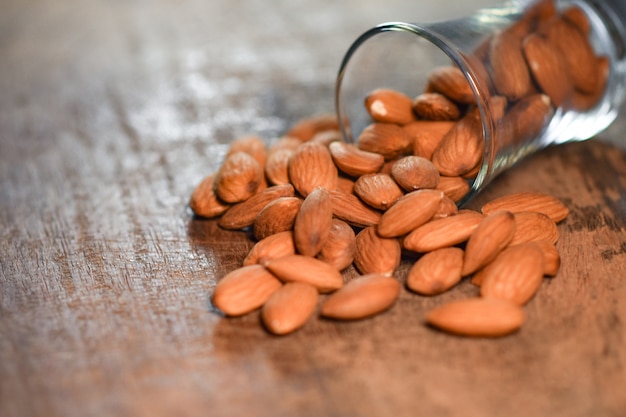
{"x": 110, "y": 114}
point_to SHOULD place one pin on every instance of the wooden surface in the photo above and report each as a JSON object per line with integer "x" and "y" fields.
{"x": 111, "y": 112}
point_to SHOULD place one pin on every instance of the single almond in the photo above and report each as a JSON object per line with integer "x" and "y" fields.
{"x": 305, "y": 129}
{"x": 454, "y": 188}
{"x": 387, "y": 139}
{"x": 414, "y": 173}
{"x": 349, "y": 208}
{"x": 289, "y": 308}
{"x": 313, "y": 222}
{"x": 528, "y": 201}
{"x": 274, "y": 246}
{"x": 276, "y": 166}
{"x": 362, "y": 297}
{"x": 451, "y": 82}
{"x": 551, "y": 257}
{"x": 354, "y": 161}
{"x": 375, "y": 254}
{"x": 436, "y": 272}
{"x": 435, "y": 106}
{"x": 340, "y": 247}
{"x": 442, "y": 233}
{"x": 426, "y": 135}
{"x": 509, "y": 71}
{"x": 277, "y": 216}
{"x": 477, "y": 317}
{"x": 515, "y": 275}
{"x": 379, "y": 191}
{"x": 300, "y": 268}
{"x": 243, "y": 214}
{"x": 389, "y": 106}
{"x": 532, "y": 226}
{"x": 244, "y": 290}
{"x": 311, "y": 166}
{"x": 203, "y": 201}
{"x": 491, "y": 236}
{"x": 238, "y": 178}
{"x": 409, "y": 212}
{"x": 252, "y": 145}
{"x": 461, "y": 149}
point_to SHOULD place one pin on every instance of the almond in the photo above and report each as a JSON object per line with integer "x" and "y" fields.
{"x": 451, "y": 82}
{"x": 276, "y": 167}
{"x": 379, "y": 191}
{"x": 354, "y": 161}
{"x": 289, "y": 308}
{"x": 244, "y": 290}
{"x": 528, "y": 117}
{"x": 312, "y": 166}
{"x": 243, "y": 214}
{"x": 441, "y": 233}
{"x": 586, "y": 101}
{"x": 576, "y": 16}
{"x": 508, "y": 67}
{"x": 528, "y": 201}
{"x": 345, "y": 185}
{"x": 306, "y": 129}
{"x": 277, "y": 216}
{"x": 313, "y": 222}
{"x": 362, "y": 297}
{"x": 426, "y": 135}
{"x": 446, "y": 208}
{"x": 389, "y": 106}
{"x": 515, "y": 275}
{"x": 414, "y": 173}
{"x": 203, "y": 201}
{"x": 353, "y": 211}
{"x": 339, "y": 248}
{"x": 300, "y": 268}
{"x": 252, "y": 145}
{"x": 461, "y": 149}
{"x": 274, "y": 246}
{"x": 410, "y": 212}
{"x": 479, "y": 317}
{"x": 375, "y": 254}
{"x": 454, "y": 188}
{"x": 551, "y": 257}
{"x": 531, "y": 226}
{"x": 435, "y": 106}
{"x": 491, "y": 236}
{"x": 436, "y": 271}
{"x": 238, "y": 178}
{"x": 387, "y": 139}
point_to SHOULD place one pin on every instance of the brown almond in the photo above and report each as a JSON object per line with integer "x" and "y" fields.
{"x": 362, "y": 297}
{"x": 426, "y": 135}
{"x": 300, "y": 268}
{"x": 379, "y": 191}
{"x": 551, "y": 256}
{"x": 451, "y": 82}
{"x": 532, "y": 226}
{"x": 491, "y": 236}
{"x": 436, "y": 272}
{"x": 274, "y": 246}
{"x": 515, "y": 275}
{"x": 311, "y": 166}
{"x": 305, "y": 129}
{"x": 478, "y": 317}
{"x": 415, "y": 173}
{"x": 442, "y": 233}
{"x": 461, "y": 149}
{"x": 354, "y": 161}
{"x": 375, "y": 254}
{"x": 345, "y": 185}
{"x": 389, "y": 106}
{"x": 409, "y": 212}
{"x": 528, "y": 117}
{"x": 435, "y": 106}
{"x": 586, "y": 101}
{"x": 349, "y": 208}
{"x": 339, "y": 249}
{"x": 289, "y": 308}
{"x": 203, "y": 201}
{"x": 576, "y": 16}
{"x": 277, "y": 216}
{"x": 528, "y": 201}
{"x": 387, "y": 139}
{"x": 313, "y": 222}
{"x": 276, "y": 166}
{"x": 243, "y": 214}
{"x": 244, "y": 290}
{"x": 509, "y": 71}
{"x": 238, "y": 178}
{"x": 446, "y": 208}
{"x": 252, "y": 145}
{"x": 454, "y": 188}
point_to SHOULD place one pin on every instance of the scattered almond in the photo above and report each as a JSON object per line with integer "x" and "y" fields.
{"x": 340, "y": 247}
{"x": 313, "y": 222}
{"x": 203, "y": 201}
{"x": 289, "y": 308}
{"x": 436, "y": 271}
{"x": 528, "y": 201}
{"x": 353, "y": 211}
{"x": 312, "y": 166}
{"x": 414, "y": 173}
{"x": 243, "y": 214}
{"x": 492, "y": 235}
{"x": 354, "y": 161}
{"x": 531, "y": 226}
{"x": 410, "y": 212}
{"x": 387, "y": 139}
{"x": 238, "y": 178}
{"x": 442, "y": 233}
{"x": 277, "y": 216}
{"x": 375, "y": 254}
{"x": 300, "y": 268}
{"x": 389, "y": 106}
{"x": 273, "y": 246}
{"x": 379, "y": 191}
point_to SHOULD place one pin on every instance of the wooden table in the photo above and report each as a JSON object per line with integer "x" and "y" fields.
{"x": 110, "y": 114}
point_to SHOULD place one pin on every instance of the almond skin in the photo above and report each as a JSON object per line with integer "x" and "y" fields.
{"x": 289, "y": 308}
{"x": 528, "y": 201}
{"x": 442, "y": 233}
{"x": 379, "y": 191}
{"x": 528, "y": 117}
{"x": 312, "y": 166}
{"x": 276, "y": 166}
{"x": 387, "y": 139}
{"x": 238, "y": 178}
{"x": 353, "y": 211}
{"x": 451, "y": 82}
{"x": 375, "y": 254}
{"x": 426, "y": 135}
{"x": 446, "y": 208}
{"x": 477, "y": 317}
{"x": 508, "y": 67}
{"x": 515, "y": 275}
{"x": 389, "y": 106}
{"x": 435, "y": 106}
{"x": 300, "y": 268}
{"x": 354, "y": 161}
{"x": 340, "y": 247}
{"x": 203, "y": 201}
{"x": 436, "y": 271}
{"x": 531, "y": 226}
{"x": 244, "y": 290}
{"x": 461, "y": 149}
{"x": 362, "y": 297}
{"x": 277, "y": 216}
{"x": 313, "y": 222}
{"x": 454, "y": 188}
{"x": 491, "y": 236}
{"x": 414, "y": 173}
{"x": 274, "y": 246}
{"x": 410, "y": 212}
{"x": 243, "y": 214}
{"x": 551, "y": 257}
